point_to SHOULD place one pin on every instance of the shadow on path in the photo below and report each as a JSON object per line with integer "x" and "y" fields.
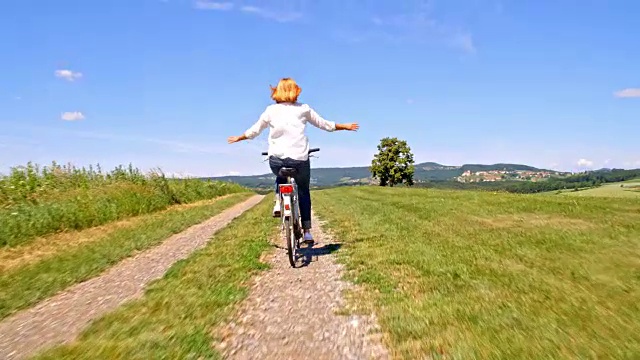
{"x": 308, "y": 253}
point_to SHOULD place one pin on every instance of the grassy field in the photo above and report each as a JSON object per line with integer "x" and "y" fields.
{"x": 178, "y": 313}
{"x": 477, "y": 275}
{"x": 38, "y": 201}
{"x": 627, "y": 189}
{"x": 450, "y": 274}
{"x": 36, "y": 270}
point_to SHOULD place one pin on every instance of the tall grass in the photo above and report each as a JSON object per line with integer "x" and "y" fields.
{"x": 36, "y": 201}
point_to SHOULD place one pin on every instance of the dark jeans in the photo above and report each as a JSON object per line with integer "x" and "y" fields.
{"x": 302, "y": 180}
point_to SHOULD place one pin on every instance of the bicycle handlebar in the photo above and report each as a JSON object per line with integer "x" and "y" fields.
{"x": 310, "y": 151}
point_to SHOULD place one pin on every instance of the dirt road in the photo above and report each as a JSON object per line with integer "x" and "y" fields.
{"x": 291, "y": 313}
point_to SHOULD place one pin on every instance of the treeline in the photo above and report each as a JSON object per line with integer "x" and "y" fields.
{"x": 577, "y": 181}
{"x": 456, "y": 185}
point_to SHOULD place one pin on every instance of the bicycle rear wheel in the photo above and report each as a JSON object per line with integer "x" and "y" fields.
{"x": 291, "y": 240}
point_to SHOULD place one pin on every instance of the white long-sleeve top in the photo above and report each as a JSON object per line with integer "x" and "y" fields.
{"x": 287, "y": 122}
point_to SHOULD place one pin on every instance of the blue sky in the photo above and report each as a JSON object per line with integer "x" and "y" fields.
{"x": 164, "y": 83}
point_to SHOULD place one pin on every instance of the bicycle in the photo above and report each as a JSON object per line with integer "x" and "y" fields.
{"x": 290, "y": 210}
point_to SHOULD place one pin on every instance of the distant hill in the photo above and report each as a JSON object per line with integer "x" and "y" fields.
{"x": 428, "y": 171}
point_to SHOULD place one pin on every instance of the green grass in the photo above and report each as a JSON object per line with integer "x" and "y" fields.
{"x": 36, "y": 202}
{"x": 627, "y": 189}
{"x": 177, "y": 315}
{"x": 23, "y": 286}
{"x": 477, "y": 275}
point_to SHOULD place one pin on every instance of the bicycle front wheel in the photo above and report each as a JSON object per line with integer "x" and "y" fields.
{"x": 291, "y": 239}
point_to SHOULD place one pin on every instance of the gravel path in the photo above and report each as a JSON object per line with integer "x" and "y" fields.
{"x": 291, "y": 313}
{"x": 62, "y": 317}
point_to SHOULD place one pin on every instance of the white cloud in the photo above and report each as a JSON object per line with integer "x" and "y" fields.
{"x": 236, "y": 173}
{"x": 585, "y": 163}
{"x": 180, "y": 175}
{"x": 410, "y": 101}
{"x": 279, "y": 16}
{"x": 463, "y": 42}
{"x": 421, "y": 25}
{"x": 72, "y": 116}
{"x": 250, "y": 9}
{"x": 213, "y": 5}
{"x": 412, "y": 20}
{"x": 68, "y": 75}
{"x": 628, "y": 93}
{"x": 277, "y": 13}
{"x": 377, "y": 21}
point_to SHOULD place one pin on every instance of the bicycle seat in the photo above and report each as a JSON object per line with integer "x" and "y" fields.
{"x": 287, "y": 172}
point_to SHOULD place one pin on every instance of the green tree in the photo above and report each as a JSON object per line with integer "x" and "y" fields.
{"x": 394, "y": 163}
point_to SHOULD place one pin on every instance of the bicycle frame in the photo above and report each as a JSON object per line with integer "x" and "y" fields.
{"x": 289, "y": 205}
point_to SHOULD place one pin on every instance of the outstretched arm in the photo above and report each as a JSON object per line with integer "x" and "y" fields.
{"x": 253, "y": 131}
{"x": 316, "y": 120}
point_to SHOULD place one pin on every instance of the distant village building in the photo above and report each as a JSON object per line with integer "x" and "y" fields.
{"x": 502, "y": 175}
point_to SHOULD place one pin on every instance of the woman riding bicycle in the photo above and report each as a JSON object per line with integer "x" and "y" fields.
{"x": 288, "y": 145}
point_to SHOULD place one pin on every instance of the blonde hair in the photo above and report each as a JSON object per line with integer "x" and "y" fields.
{"x": 286, "y": 91}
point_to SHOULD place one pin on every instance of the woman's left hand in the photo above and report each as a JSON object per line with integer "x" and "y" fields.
{"x": 348, "y": 126}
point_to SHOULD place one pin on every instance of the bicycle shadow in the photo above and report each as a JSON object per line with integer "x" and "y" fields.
{"x": 308, "y": 253}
